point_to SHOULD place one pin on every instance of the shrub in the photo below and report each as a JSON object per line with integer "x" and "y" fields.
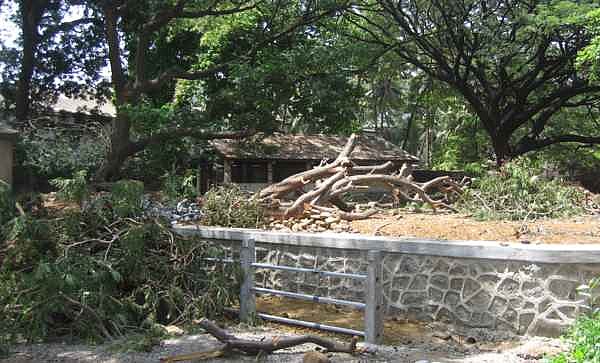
{"x": 73, "y": 189}
{"x": 176, "y": 187}
{"x": 517, "y": 192}
{"x": 28, "y": 241}
{"x": 127, "y": 198}
{"x": 7, "y": 203}
{"x": 229, "y": 206}
{"x": 584, "y": 337}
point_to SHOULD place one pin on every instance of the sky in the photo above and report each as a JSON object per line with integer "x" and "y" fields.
{"x": 8, "y": 30}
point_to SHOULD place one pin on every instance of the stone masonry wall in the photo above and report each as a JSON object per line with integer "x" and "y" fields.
{"x": 516, "y": 297}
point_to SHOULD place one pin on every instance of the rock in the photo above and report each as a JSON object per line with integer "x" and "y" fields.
{"x": 315, "y": 357}
{"x": 471, "y": 340}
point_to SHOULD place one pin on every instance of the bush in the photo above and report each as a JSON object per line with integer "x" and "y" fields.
{"x": 73, "y": 189}
{"x": 517, "y": 192}
{"x": 584, "y": 337}
{"x": 7, "y": 203}
{"x": 177, "y": 187}
{"x": 229, "y": 206}
{"x": 28, "y": 241}
{"x": 127, "y": 198}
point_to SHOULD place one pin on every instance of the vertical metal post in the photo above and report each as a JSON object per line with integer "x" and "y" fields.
{"x": 374, "y": 299}
{"x": 247, "y": 297}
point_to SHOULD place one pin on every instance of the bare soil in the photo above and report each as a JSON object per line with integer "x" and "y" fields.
{"x": 446, "y": 226}
{"x": 405, "y": 342}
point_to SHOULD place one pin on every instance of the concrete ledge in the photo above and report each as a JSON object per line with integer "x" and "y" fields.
{"x": 492, "y": 250}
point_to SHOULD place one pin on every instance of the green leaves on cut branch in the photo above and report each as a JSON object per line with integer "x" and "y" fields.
{"x": 518, "y": 192}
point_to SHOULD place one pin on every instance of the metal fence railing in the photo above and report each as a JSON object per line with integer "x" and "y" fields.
{"x": 372, "y": 307}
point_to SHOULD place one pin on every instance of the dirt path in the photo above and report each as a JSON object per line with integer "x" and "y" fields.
{"x": 531, "y": 350}
{"x": 585, "y": 229}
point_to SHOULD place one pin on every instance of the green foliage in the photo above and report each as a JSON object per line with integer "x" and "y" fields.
{"x": 584, "y": 337}
{"x": 518, "y": 192}
{"x": 176, "y": 187}
{"x": 73, "y": 189}
{"x": 28, "y": 241}
{"x": 7, "y": 203}
{"x": 588, "y": 59}
{"x": 228, "y": 206}
{"x": 91, "y": 274}
{"x": 127, "y": 198}
{"x": 60, "y": 151}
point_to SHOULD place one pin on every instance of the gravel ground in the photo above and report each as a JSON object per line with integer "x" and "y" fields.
{"x": 530, "y": 350}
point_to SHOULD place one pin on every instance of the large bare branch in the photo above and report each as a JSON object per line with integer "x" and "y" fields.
{"x": 299, "y": 180}
{"x": 264, "y": 346}
{"x": 331, "y": 181}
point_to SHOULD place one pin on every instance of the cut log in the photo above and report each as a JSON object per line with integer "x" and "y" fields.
{"x": 331, "y": 181}
{"x": 231, "y": 344}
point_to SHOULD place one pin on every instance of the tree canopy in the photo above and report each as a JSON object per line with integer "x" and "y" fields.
{"x": 513, "y": 61}
{"x": 450, "y": 81}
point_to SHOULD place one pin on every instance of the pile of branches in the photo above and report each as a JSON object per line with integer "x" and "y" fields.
{"x": 329, "y": 182}
{"x": 104, "y": 269}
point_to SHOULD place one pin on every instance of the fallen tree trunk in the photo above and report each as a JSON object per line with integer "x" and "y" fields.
{"x": 330, "y": 182}
{"x": 231, "y": 344}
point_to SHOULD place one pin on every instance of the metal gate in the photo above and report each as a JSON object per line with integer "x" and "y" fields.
{"x": 372, "y": 307}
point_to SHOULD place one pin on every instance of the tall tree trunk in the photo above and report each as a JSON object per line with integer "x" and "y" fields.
{"x": 31, "y": 14}
{"x": 502, "y": 149}
{"x": 120, "y": 138}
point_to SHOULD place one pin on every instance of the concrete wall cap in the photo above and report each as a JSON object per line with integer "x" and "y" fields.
{"x": 492, "y": 250}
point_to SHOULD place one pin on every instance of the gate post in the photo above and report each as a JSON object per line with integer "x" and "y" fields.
{"x": 247, "y": 296}
{"x": 374, "y": 299}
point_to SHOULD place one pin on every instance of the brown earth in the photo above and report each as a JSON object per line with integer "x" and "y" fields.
{"x": 437, "y": 337}
{"x": 577, "y": 230}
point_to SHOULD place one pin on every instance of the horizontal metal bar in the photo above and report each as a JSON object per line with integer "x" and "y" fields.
{"x": 215, "y": 259}
{"x": 318, "y": 299}
{"x": 311, "y": 270}
{"x": 309, "y": 324}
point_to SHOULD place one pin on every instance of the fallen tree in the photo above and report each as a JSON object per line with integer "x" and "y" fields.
{"x": 230, "y": 344}
{"x": 329, "y": 182}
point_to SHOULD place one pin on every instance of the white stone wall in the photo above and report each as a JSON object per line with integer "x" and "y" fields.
{"x": 509, "y": 296}
{"x": 521, "y": 289}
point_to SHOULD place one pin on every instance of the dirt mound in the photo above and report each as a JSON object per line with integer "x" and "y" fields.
{"x": 577, "y": 230}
